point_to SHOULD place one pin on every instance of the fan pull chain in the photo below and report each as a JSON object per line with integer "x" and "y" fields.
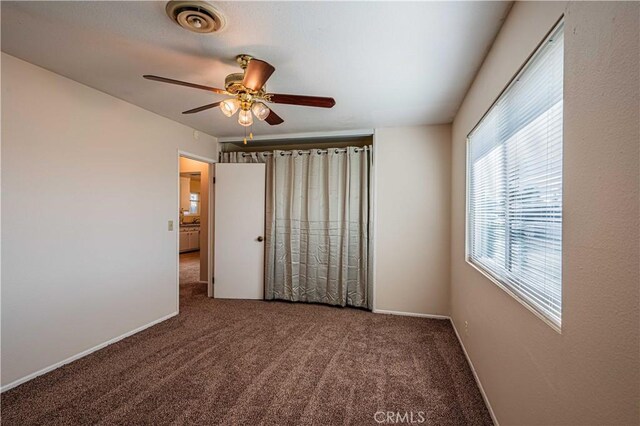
{"x": 250, "y": 134}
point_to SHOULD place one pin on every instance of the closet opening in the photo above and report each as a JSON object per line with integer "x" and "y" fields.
{"x": 318, "y": 218}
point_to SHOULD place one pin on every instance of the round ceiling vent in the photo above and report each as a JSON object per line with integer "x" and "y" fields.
{"x": 197, "y": 16}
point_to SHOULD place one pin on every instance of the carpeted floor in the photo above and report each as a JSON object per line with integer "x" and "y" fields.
{"x": 190, "y": 284}
{"x": 255, "y": 362}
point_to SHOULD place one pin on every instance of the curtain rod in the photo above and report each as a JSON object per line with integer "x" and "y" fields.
{"x": 300, "y": 152}
{"x": 338, "y": 134}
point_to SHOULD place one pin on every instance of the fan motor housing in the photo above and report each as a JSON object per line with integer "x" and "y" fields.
{"x": 233, "y": 82}
{"x": 196, "y": 16}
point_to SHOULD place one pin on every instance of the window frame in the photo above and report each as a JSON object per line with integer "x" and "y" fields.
{"x": 467, "y": 255}
{"x": 197, "y": 201}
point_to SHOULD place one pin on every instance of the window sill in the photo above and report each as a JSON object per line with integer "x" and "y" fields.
{"x": 491, "y": 278}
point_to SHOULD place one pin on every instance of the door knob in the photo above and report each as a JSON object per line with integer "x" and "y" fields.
{"x": 260, "y": 239}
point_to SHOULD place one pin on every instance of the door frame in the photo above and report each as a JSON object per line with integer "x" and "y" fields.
{"x": 210, "y": 216}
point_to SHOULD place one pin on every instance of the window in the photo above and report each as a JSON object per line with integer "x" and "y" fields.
{"x": 514, "y": 170}
{"x": 194, "y": 204}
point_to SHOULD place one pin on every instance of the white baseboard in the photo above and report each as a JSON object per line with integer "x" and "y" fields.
{"x": 475, "y": 375}
{"x": 410, "y": 314}
{"x": 82, "y": 354}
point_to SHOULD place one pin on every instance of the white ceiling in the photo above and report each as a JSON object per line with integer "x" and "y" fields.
{"x": 385, "y": 63}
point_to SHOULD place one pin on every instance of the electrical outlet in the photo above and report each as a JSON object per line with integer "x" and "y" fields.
{"x": 466, "y": 328}
{"x": 170, "y": 225}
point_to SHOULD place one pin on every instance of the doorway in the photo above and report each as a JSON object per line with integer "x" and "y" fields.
{"x": 193, "y": 228}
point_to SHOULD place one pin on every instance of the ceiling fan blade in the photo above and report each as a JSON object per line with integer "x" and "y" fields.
{"x": 184, "y": 83}
{"x": 312, "y": 101}
{"x": 202, "y": 108}
{"x": 273, "y": 118}
{"x": 257, "y": 74}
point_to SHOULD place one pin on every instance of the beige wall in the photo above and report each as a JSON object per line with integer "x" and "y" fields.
{"x": 589, "y": 373}
{"x": 412, "y": 207}
{"x": 188, "y": 165}
{"x": 89, "y": 183}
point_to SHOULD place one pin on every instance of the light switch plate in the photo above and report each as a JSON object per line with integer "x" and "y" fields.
{"x": 170, "y": 225}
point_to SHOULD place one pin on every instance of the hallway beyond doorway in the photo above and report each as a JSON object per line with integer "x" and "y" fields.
{"x": 190, "y": 283}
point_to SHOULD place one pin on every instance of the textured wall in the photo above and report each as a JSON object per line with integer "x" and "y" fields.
{"x": 589, "y": 374}
{"x": 88, "y": 185}
{"x": 411, "y": 241}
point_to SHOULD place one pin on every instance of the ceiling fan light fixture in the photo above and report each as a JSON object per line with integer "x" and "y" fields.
{"x": 260, "y": 110}
{"x": 247, "y": 88}
{"x": 229, "y": 106}
{"x": 245, "y": 118}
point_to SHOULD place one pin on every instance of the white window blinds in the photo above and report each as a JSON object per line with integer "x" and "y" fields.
{"x": 514, "y": 171}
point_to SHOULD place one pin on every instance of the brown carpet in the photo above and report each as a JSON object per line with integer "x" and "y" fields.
{"x": 255, "y": 362}
{"x": 190, "y": 284}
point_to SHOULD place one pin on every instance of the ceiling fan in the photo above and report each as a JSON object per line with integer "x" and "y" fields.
{"x": 249, "y": 93}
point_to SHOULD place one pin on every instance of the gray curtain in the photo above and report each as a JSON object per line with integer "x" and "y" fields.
{"x": 317, "y": 224}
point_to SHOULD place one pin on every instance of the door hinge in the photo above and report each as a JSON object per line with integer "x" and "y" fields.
{"x": 214, "y": 179}
{"x": 213, "y": 280}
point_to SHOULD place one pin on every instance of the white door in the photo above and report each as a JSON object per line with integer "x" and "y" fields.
{"x": 239, "y": 231}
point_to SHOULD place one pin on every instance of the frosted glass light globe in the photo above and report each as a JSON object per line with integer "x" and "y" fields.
{"x": 229, "y": 106}
{"x": 245, "y": 118}
{"x": 260, "y": 110}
